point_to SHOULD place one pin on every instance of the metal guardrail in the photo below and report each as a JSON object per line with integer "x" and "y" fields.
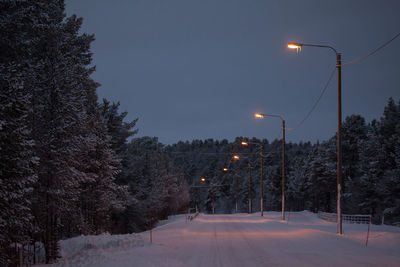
{"x": 356, "y": 218}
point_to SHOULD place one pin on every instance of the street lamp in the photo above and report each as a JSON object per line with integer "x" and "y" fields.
{"x": 236, "y": 157}
{"x": 225, "y": 169}
{"x": 249, "y": 185}
{"x": 235, "y": 186}
{"x": 339, "y": 125}
{"x": 203, "y": 180}
{"x": 261, "y": 169}
{"x": 243, "y": 143}
{"x": 261, "y": 116}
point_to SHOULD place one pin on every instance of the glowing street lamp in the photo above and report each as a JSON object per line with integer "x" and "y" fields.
{"x": 203, "y": 180}
{"x": 261, "y": 172}
{"x": 294, "y": 46}
{"x": 259, "y": 115}
{"x": 235, "y": 157}
{"x": 339, "y": 125}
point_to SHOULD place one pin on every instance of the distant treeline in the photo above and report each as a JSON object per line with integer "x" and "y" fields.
{"x": 371, "y": 171}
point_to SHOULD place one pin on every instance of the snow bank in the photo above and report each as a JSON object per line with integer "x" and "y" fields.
{"x": 73, "y": 246}
{"x": 171, "y": 219}
{"x": 93, "y": 250}
{"x": 89, "y": 250}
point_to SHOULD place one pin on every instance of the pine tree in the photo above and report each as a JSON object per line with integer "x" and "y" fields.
{"x": 372, "y": 189}
{"x": 296, "y": 180}
{"x": 389, "y": 131}
{"x": 17, "y": 162}
{"x": 118, "y": 129}
{"x": 99, "y": 194}
{"x": 320, "y": 180}
{"x": 17, "y": 159}
{"x": 156, "y": 187}
{"x": 354, "y": 131}
{"x": 60, "y": 118}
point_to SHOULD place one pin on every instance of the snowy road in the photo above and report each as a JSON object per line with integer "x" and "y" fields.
{"x": 251, "y": 240}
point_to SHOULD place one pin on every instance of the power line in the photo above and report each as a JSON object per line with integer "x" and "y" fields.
{"x": 316, "y": 103}
{"x": 373, "y": 52}
{"x": 209, "y": 153}
{"x": 333, "y": 72}
{"x": 330, "y": 78}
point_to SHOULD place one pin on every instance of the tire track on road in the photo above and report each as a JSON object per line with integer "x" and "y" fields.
{"x": 258, "y": 255}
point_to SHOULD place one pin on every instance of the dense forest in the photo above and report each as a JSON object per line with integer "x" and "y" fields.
{"x": 371, "y": 171}
{"x": 65, "y": 166}
{"x": 71, "y": 164}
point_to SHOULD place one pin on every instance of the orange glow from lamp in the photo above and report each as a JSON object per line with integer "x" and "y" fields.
{"x": 294, "y": 46}
{"x": 259, "y": 116}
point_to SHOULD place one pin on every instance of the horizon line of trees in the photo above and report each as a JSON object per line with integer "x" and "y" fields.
{"x": 371, "y": 171}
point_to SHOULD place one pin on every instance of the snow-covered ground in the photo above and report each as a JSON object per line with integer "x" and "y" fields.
{"x": 239, "y": 240}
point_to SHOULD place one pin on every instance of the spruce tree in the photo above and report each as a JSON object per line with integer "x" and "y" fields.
{"x": 17, "y": 159}
{"x": 17, "y": 163}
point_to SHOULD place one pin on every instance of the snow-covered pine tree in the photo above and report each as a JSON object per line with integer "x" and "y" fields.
{"x": 100, "y": 195}
{"x": 118, "y": 129}
{"x": 296, "y": 179}
{"x": 369, "y": 195}
{"x": 96, "y": 195}
{"x": 354, "y": 131}
{"x": 17, "y": 162}
{"x": 389, "y": 135}
{"x": 321, "y": 177}
{"x": 118, "y": 132}
{"x": 17, "y": 159}
{"x": 61, "y": 71}
{"x": 389, "y": 130}
{"x": 392, "y": 211}
{"x": 153, "y": 183}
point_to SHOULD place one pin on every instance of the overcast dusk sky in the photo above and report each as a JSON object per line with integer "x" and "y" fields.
{"x": 200, "y": 69}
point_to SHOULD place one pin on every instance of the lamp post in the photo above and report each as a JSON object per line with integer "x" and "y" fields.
{"x": 261, "y": 176}
{"x": 261, "y": 116}
{"x": 298, "y": 46}
{"x": 236, "y": 157}
{"x": 212, "y": 186}
{"x": 203, "y": 180}
{"x": 249, "y": 181}
{"x": 249, "y": 186}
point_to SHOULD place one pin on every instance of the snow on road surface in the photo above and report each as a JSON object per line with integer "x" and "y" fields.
{"x": 240, "y": 240}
